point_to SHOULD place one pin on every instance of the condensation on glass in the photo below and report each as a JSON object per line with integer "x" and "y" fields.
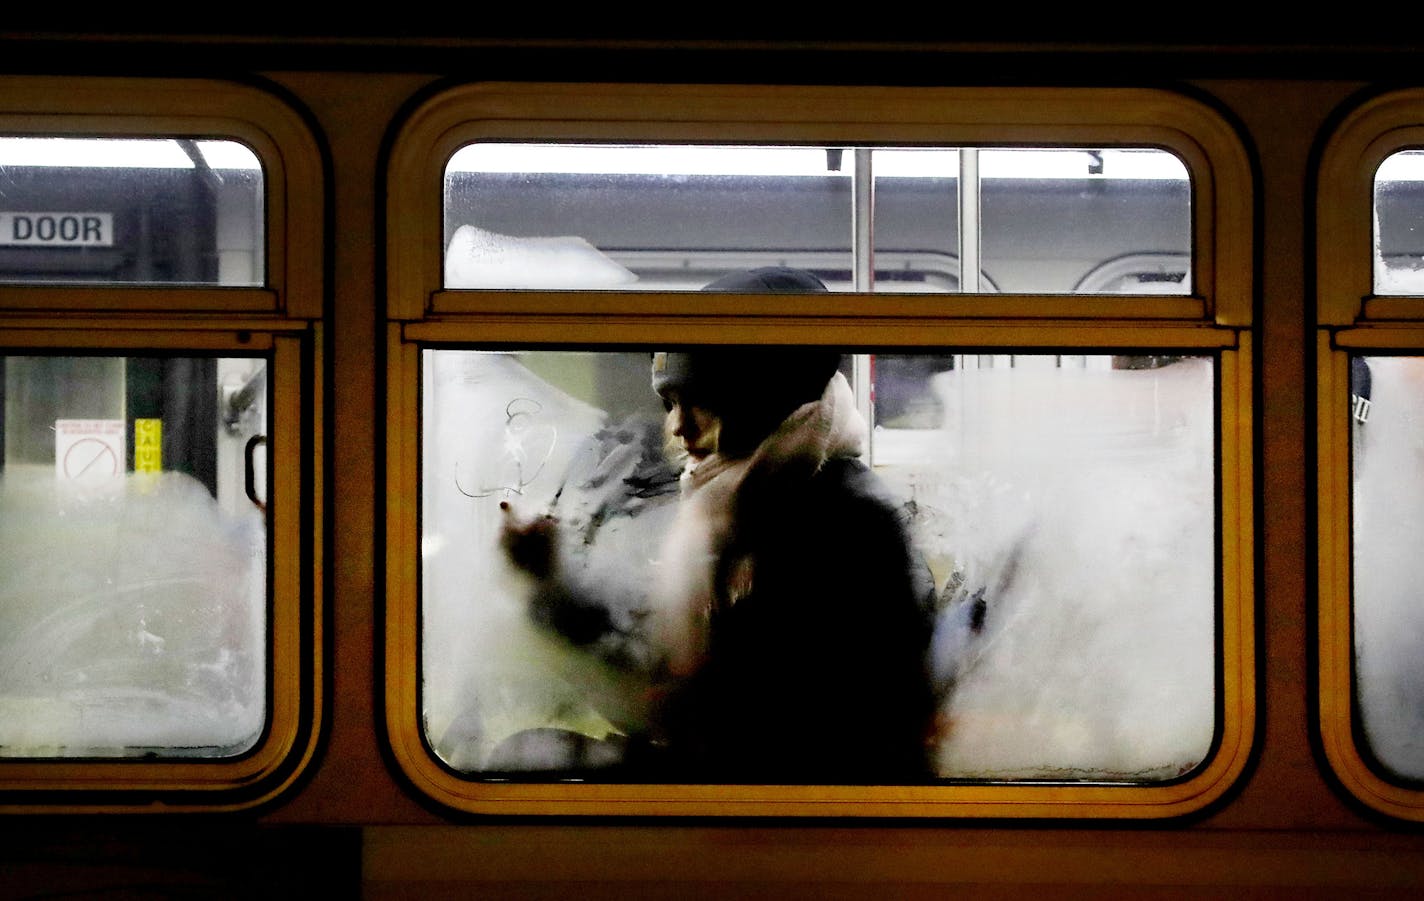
{"x": 1387, "y": 422}
{"x": 133, "y": 556}
{"x": 130, "y": 211}
{"x": 1399, "y": 224}
{"x": 663, "y": 217}
{"x": 1064, "y": 504}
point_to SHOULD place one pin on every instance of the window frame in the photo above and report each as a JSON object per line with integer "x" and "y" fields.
{"x": 1351, "y": 319}
{"x": 279, "y": 321}
{"x": 292, "y": 165}
{"x": 1216, "y": 317}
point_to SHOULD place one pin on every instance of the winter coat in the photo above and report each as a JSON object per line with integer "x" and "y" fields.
{"x": 790, "y": 623}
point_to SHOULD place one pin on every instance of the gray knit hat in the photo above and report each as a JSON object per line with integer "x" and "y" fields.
{"x": 751, "y": 388}
{"x": 768, "y": 280}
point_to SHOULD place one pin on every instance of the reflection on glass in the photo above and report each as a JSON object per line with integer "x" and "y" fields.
{"x": 1050, "y": 230}
{"x": 917, "y": 222}
{"x": 665, "y": 217}
{"x": 1399, "y": 224}
{"x": 1059, "y": 511}
{"x": 1387, "y": 418}
{"x": 645, "y": 217}
{"x": 132, "y": 561}
{"x": 123, "y": 210}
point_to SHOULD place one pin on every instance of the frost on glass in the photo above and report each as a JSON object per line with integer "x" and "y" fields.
{"x": 1065, "y": 505}
{"x": 132, "y": 574}
{"x": 882, "y": 219}
{"x": 1388, "y": 494}
{"x": 1399, "y": 224}
{"x": 130, "y": 210}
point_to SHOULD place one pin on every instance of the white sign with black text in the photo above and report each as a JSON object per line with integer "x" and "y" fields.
{"x": 56, "y": 229}
{"x": 89, "y": 448}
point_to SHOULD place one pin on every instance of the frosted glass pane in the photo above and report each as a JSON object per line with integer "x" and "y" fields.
{"x": 1399, "y": 224}
{"x": 1062, "y": 508}
{"x": 133, "y": 564}
{"x": 1388, "y": 423}
{"x": 131, "y": 210}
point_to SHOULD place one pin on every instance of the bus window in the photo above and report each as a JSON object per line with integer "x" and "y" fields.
{"x": 1065, "y": 512}
{"x": 675, "y": 217}
{"x": 1398, "y": 238}
{"x": 1041, "y": 309}
{"x": 161, "y": 287}
{"x": 133, "y": 556}
{"x": 1370, "y": 410}
{"x": 130, "y": 210}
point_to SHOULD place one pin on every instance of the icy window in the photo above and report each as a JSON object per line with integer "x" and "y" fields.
{"x": 130, "y": 210}
{"x": 1387, "y": 417}
{"x": 1399, "y": 224}
{"x": 1060, "y": 511}
{"x": 903, "y": 220}
{"x": 133, "y": 575}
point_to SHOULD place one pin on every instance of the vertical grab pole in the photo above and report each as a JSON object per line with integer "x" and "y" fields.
{"x": 969, "y": 227}
{"x": 863, "y": 253}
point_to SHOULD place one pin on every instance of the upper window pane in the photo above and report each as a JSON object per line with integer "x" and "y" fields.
{"x": 133, "y": 556}
{"x": 675, "y": 217}
{"x": 130, "y": 211}
{"x": 1399, "y": 224}
{"x": 1051, "y": 217}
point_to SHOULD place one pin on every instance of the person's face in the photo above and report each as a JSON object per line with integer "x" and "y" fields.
{"x": 695, "y": 427}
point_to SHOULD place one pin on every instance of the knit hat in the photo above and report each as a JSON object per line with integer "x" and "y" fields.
{"x": 768, "y": 280}
{"x": 752, "y": 389}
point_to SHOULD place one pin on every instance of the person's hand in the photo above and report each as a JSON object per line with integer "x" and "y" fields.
{"x": 530, "y": 543}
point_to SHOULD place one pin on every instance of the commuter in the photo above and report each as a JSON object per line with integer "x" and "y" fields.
{"x": 788, "y": 630}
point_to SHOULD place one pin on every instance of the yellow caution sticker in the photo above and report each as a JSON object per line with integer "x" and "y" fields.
{"x": 148, "y": 445}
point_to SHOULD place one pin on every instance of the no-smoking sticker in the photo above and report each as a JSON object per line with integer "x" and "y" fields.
{"x": 88, "y": 448}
